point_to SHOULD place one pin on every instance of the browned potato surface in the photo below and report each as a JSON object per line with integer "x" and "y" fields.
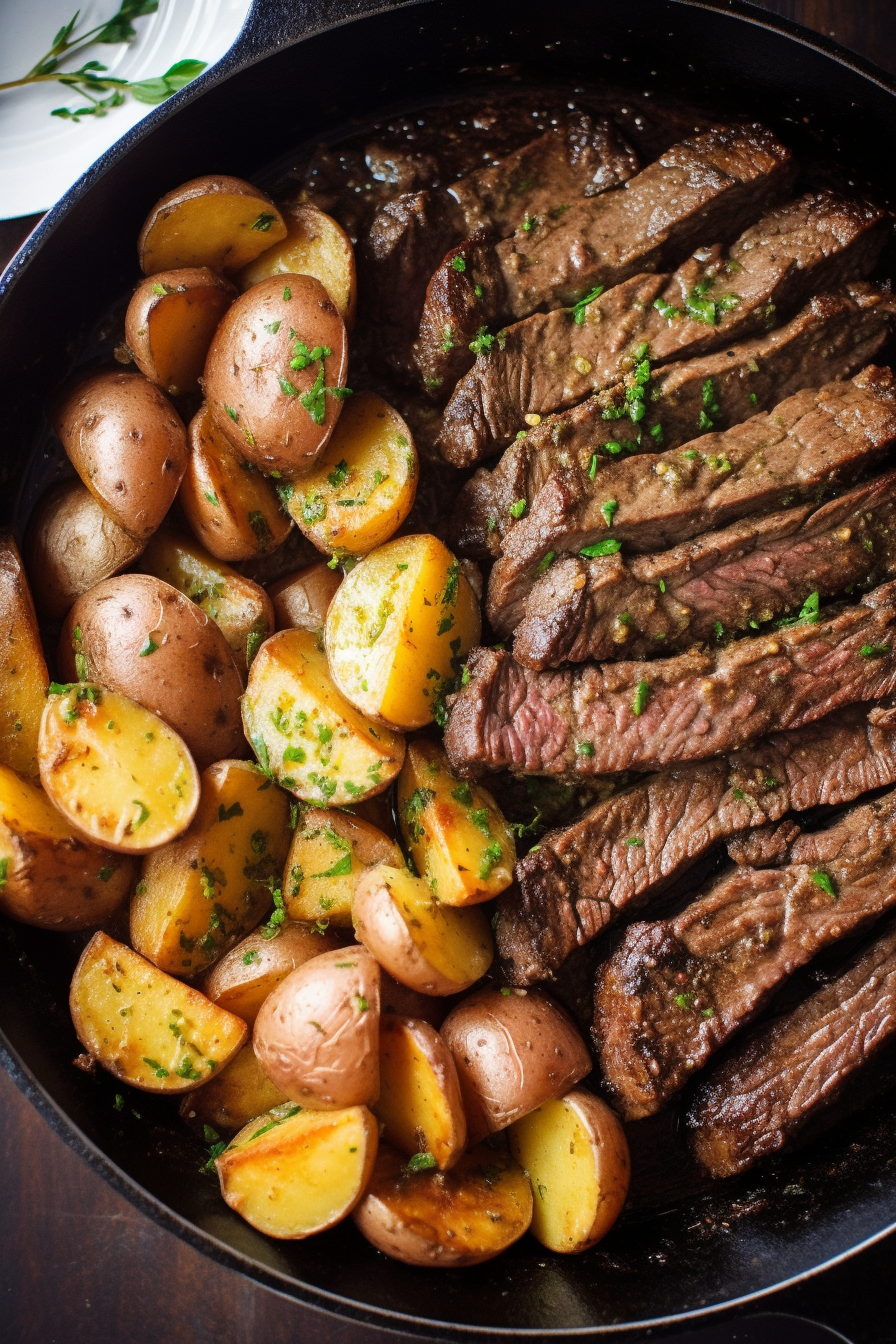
{"x": 237, "y": 1094}
{"x": 404, "y": 1002}
{"x": 329, "y": 852}
{"x": 301, "y": 600}
{"x": 23, "y": 671}
{"x": 419, "y": 1106}
{"x": 217, "y": 221}
{"x": 246, "y": 975}
{"x": 170, "y": 322}
{"x": 314, "y": 245}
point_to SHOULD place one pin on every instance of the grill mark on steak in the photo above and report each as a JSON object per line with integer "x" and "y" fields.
{"x": 811, "y": 441}
{"x": 791, "y": 1070}
{"x": 549, "y": 362}
{"x": 753, "y": 571}
{"x": 832, "y": 337}
{"x": 676, "y": 990}
{"x": 584, "y": 877}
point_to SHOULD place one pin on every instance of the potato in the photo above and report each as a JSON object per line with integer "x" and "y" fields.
{"x": 398, "y": 999}
{"x": 575, "y": 1154}
{"x": 292, "y": 1173}
{"x": 429, "y": 947}
{"x": 139, "y": 636}
{"x": 445, "y": 1219}
{"x": 203, "y": 893}
{"x": 119, "y": 774}
{"x": 236, "y": 1095}
{"x": 246, "y": 975}
{"x": 231, "y": 507}
{"x": 221, "y": 222}
{"x": 170, "y": 322}
{"x": 419, "y": 1105}
{"x": 329, "y": 852}
{"x": 314, "y": 245}
{"x": 312, "y": 740}
{"x": 454, "y": 830}
{"x": 49, "y": 876}
{"x": 71, "y": 545}
{"x": 399, "y": 629}
{"x": 362, "y": 487}
{"x": 275, "y": 373}
{"x": 240, "y": 608}
{"x": 301, "y": 600}
{"x": 514, "y": 1050}
{"x": 317, "y": 1032}
{"x": 377, "y": 810}
{"x": 127, "y": 443}
{"x": 146, "y": 1028}
{"x": 23, "y": 671}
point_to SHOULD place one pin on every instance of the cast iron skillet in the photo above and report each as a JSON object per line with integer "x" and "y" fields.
{"x": 292, "y": 76}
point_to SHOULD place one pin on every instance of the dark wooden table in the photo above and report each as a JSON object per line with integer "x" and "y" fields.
{"x": 80, "y": 1265}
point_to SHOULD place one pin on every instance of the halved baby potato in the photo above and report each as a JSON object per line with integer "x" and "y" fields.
{"x": 329, "y": 852}
{"x": 398, "y": 999}
{"x": 575, "y": 1153}
{"x": 455, "y": 831}
{"x": 445, "y": 1219}
{"x": 217, "y": 221}
{"x": 119, "y": 775}
{"x": 170, "y": 322}
{"x": 145, "y": 1027}
{"x": 436, "y": 949}
{"x": 203, "y": 893}
{"x": 398, "y": 630}
{"x": 362, "y": 486}
{"x": 246, "y": 975}
{"x": 306, "y": 734}
{"x": 237, "y": 1094}
{"x": 23, "y": 670}
{"x": 314, "y": 245}
{"x": 302, "y": 600}
{"x": 419, "y": 1105}
{"x": 292, "y": 1173}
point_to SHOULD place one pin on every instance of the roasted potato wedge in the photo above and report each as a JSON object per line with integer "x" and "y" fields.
{"x": 146, "y": 1028}
{"x": 49, "y": 876}
{"x": 399, "y": 629}
{"x": 23, "y": 671}
{"x": 292, "y": 1173}
{"x": 306, "y": 734}
{"x": 314, "y": 245}
{"x": 362, "y": 486}
{"x": 316, "y": 1035}
{"x": 445, "y": 1219}
{"x": 216, "y": 221}
{"x": 170, "y": 322}
{"x": 237, "y": 1094}
{"x": 419, "y": 1105}
{"x": 575, "y": 1153}
{"x": 329, "y": 852}
{"x": 127, "y": 443}
{"x": 121, "y": 776}
{"x": 454, "y": 830}
{"x": 514, "y": 1050}
{"x": 301, "y": 600}
{"x": 275, "y": 373}
{"x": 135, "y": 634}
{"x": 433, "y": 948}
{"x": 203, "y": 893}
{"x": 246, "y": 975}
{"x": 231, "y": 507}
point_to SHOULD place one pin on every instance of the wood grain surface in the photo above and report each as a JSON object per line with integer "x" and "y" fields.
{"x": 80, "y": 1265}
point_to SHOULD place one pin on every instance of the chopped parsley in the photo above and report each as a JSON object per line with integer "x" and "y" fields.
{"x": 826, "y": 882}
{"x": 874, "y": 650}
{"x": 642, "y": 695}
{"x": 607, "y": 547}
{"x": 421, "y": 1162}
{"x": 578, "y": 309}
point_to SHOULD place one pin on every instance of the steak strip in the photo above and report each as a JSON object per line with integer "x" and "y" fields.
{"x": 626, "y": 849}
{"x": 676, "y": 990}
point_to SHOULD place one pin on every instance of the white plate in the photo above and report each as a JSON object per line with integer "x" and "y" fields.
{"x": 41, "y": 156}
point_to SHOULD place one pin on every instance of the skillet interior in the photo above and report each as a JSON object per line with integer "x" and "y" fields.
{"x": 790, "y": 1217}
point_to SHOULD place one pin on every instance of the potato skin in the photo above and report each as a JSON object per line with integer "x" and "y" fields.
{"x": 242, "y": 986}
{"x": 301, "y": 600}
{"x": 128, "y": 445}
{"x": 250, "y": 360}
{"x": 314, "y": 245}
{"x": 208, "y": 221}
{"x": 170, "y": 322}
{"x": 316, "y": 1035}
{"x": 190, "y": 679}
{"x": 236, "y": 1095}
{"x": 23, "y": 670}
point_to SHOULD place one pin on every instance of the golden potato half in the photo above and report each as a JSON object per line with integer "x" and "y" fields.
{"x": 329, "y": 852}
{"x": 170, "y": 322}
{"x": 23, "y": 670}
{"x": 314, "y": 245}
{"x": 419, "y": 1106}
{"x": 246, "y": 975}
{"x": 217, "y": 221}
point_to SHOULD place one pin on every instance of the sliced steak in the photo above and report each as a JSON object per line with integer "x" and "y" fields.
{"x": 731, "y": 580}
{"x": 812, "y": 441}
{"x": 833, "y": 336}
{"x": 792, "y": 1070}
{"x": 549, "y": 361}
{"x": 628, "y": 848}
{"x": 604, "y": 718}
{"x": 676, "y": 990}
{"x": 770, "y": 845}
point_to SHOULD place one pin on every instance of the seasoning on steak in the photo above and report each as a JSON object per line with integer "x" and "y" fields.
{"x": 549, "y": 361}
{"x": 629, "y": 847}
{"x": 598, "y": 719}
{"x": 811, "y": 441}
{"x": 676, "y": 990}
{"x": 707, "y": 588}
{"x": 791, "y": 1070}
{"x": 833, "y": 336}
